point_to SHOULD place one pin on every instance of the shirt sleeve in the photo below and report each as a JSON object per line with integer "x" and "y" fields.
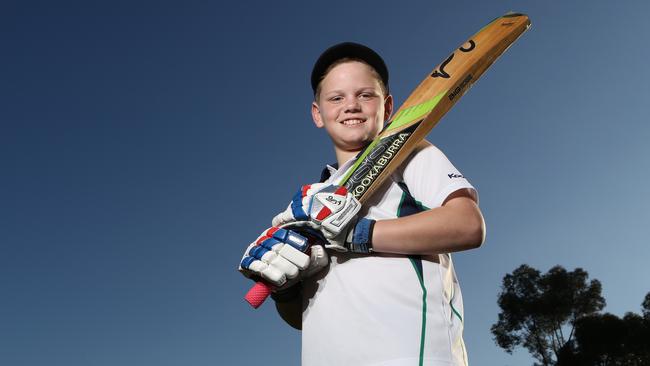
{"x": 431, "y": 177}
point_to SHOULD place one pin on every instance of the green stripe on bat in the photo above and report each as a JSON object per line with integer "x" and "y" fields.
{"x": 359, "y": 160}
{"x": 414, "y": 113}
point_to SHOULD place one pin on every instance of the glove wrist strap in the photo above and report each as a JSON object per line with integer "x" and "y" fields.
{"x": 362, "y": 236}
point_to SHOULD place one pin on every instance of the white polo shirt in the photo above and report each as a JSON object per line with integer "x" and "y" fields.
{"x": 390, "y": 310}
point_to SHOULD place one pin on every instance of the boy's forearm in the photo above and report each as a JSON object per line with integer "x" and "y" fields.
{"x": 457, "y": 225}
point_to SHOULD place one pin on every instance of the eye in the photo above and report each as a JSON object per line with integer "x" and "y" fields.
{"x": 336, "y": 98}
{"x": 366, "y": 95}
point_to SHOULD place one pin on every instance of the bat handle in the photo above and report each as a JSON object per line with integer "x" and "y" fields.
{"x": 257, "y": 294}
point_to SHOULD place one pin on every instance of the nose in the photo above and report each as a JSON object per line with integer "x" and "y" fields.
{"x": 352, "y": 105}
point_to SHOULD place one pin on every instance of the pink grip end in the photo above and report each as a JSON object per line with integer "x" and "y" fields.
{"x": 257, "y": 294}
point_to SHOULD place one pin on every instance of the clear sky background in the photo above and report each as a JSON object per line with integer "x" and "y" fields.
{"x": 143, "y": 145}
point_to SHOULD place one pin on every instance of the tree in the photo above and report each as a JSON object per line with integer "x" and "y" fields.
{"x": 540, "y": 311}
{"x": 645, "y": 306}
{"x": 600, "y": 339}
{"x": 605, "y": 339}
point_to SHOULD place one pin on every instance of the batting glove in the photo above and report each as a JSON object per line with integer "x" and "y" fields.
{"x": 332, "y": 210}
{"x": 282, "y": 257}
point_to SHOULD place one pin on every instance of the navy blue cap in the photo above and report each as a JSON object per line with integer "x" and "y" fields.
{"x": 348, "y": 50}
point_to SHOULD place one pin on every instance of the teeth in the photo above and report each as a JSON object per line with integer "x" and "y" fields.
{"x": 352, "y": 122}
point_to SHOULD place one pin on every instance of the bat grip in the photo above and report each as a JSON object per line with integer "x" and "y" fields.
{"x": 257, "y": 294}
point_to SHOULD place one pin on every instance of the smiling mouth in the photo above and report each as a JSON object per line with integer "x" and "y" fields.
{"x": 352, "y": 122}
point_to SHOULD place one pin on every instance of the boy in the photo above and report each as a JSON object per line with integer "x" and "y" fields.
{"x": 389, "y": 294}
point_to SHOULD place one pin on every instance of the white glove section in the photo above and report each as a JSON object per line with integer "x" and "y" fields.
{"x": 328, "y": 208}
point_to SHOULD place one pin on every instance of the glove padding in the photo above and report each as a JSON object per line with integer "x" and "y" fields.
{"x": 326, "y": 207}
{"x": 332, "y": 210}
{"x": 283, "y": 257}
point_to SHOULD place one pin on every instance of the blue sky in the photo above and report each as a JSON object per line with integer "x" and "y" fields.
{"x": 143, "y": 145}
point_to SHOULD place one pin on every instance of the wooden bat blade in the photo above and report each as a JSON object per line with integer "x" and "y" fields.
{"x": 430, "y": 101}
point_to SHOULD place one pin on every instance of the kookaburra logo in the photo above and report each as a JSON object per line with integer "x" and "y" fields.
{"x": 440, "y": 72}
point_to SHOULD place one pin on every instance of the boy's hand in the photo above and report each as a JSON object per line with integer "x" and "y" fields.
{"x": 325, "y": 207}
{"x": 333, "y": 211}
{"x": 282, "y": 257}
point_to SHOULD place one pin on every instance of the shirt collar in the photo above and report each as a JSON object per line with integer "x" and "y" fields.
{"x": 331, "y": 170}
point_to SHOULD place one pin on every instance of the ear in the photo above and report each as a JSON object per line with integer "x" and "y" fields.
{"x": 388, "y": 107}
{"x": 315, "y": 115}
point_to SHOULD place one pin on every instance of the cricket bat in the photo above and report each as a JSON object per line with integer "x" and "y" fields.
{"x": 421, "y": 111}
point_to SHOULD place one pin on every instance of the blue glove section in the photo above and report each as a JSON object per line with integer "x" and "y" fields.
{"x": 361, "y": 238}
{"x": 246, "y": 262}
{"x": 269, "y": 243}
{"x": 292, "y": 238}
{"x": 296, "y": 207}
{"x": 258, "y": 252}
{"x": 254, "y": 254}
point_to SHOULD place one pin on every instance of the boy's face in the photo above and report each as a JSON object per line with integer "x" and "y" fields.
{"x": 351, "y": 105}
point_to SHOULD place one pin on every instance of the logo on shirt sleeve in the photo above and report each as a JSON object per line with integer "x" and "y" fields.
{"x": 455, "y": 175}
